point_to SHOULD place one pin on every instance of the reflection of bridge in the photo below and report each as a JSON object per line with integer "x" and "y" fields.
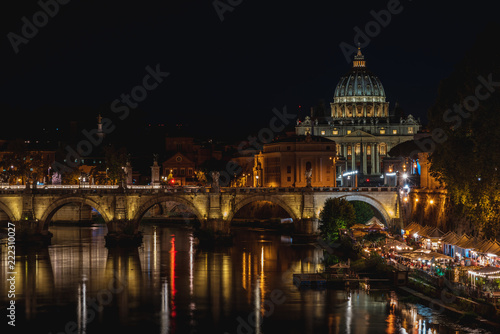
{"x": 215, "y": 210}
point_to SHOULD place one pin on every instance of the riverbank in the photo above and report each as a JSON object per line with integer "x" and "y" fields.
{"x": 468, "y": 310}
{"x": 468, "y": 316}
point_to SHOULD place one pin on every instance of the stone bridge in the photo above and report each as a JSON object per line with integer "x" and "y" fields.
{"x": 120, "y": 207}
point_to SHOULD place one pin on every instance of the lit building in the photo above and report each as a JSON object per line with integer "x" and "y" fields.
{"x": 360, "y": 122}
{"x": 284, "y": 162}
{"x": 181, "y": 168}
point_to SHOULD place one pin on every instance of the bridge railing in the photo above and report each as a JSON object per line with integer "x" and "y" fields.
{"x": 316, "y": 189}
{"x": 188, "y": 189}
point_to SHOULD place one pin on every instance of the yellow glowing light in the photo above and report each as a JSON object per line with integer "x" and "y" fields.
{"x": 431, "y": 201}
{"x": 416, "y": 199}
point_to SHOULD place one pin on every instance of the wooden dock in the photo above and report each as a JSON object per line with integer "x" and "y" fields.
{"x": 324, "y": 279}
{"x": 313, "y": 279}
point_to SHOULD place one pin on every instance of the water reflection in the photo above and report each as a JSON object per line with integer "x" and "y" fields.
{"x": 169, "y": 286}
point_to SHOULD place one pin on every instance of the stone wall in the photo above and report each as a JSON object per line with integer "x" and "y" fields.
{"x": 73, "y": 213}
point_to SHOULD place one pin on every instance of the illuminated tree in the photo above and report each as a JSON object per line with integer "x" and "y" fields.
{"x": 465, "y": 119}
{"x": 337, "y": 214}
{"x": 19, "y": 164}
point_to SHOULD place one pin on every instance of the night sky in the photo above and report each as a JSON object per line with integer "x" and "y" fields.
{"x": 225, "y": 76}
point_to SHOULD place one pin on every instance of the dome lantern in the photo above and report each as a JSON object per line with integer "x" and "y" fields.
{"x": 359, "y": 93}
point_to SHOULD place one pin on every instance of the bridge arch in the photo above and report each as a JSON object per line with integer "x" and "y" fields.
{"x": 257, "y": 198}
{"x": 7, "y": 211}
{"x": 373, "y": 202}
{"x": 166, "y": 198}
{"x": 52, "y": 209}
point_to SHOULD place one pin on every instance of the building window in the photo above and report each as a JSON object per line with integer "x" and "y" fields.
{"x": 289, "y": 179}
{"x": 183, "y": 171}
{"x": 288, "y": 148}
{"x": 394, "y": 132}
{"x": 348, "y": 132}
{"x": 410, "y": 129}
{"x": 190, "y": 171}
{"x": 335, "y": 132}
{"x": 323, "y": 133}
{"x": 174, "y": 171}
{"x": 382, "y": 131}
{"x": 349, "y": 150}
{"x": 383, "y": 149}
{"x": 369, "y": 150}
{"x": 338, "y": 150}
{"x": 288, "y": 169}
{"x": 358, "y": 148}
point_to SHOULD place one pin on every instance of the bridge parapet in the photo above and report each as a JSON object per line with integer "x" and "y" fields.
{"x": 314, "y": 189}
{"x": 149, "y": 189}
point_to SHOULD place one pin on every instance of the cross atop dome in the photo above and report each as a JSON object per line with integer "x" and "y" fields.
{"x": 359, "y": 59}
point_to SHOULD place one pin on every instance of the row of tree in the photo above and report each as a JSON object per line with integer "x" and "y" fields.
{"x": 465, "y": 121}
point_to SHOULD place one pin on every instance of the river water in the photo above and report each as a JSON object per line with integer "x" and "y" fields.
{"x": 167, "y": 285}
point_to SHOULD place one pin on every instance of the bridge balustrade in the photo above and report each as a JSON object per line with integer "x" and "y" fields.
{"x": 155, "y": 189}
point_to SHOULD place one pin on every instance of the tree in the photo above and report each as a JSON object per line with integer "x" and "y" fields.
{"x": 115, "y": 161}
{"x": 71, "y": 177}
{"x": 374, "y": 238}
{"x": 464, "y": 120}
{"x": 364, "y": 211}
{"x": 19, "y": 163}
{"x": 336, "y": 214}
{"x": 201, "y": 177}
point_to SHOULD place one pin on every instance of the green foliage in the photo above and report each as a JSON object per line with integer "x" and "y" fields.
{"x": 374, "y": 238}
{"x": 364, "y": 211}
{"x": 467, "y": 157}
{"x": 336, "y": 214}
{"x": 330, "y": 259}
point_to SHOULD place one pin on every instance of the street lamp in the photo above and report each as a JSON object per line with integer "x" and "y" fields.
{"x": 257, "y": 178}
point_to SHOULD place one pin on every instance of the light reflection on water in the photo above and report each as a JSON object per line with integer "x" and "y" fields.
{"x": 168, "y": 286}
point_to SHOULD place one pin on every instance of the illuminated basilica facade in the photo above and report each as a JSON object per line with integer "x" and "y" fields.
{"x": 360, "y": 122}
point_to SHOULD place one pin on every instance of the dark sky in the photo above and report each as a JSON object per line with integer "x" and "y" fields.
{"x": 225, "y": 76}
